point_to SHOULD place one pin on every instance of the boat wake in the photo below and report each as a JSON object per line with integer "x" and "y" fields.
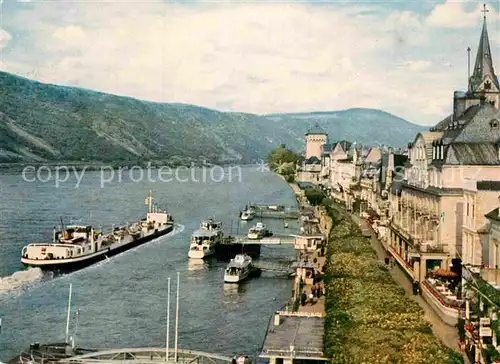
{"x": 20, "y": 280}
{"x": 178, "y": 228}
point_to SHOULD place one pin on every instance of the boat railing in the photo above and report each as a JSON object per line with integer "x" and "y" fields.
{"x": 39, "y": 357}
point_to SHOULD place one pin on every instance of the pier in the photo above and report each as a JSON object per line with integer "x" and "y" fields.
{"x": 272, "y": 240}
{"x": 267, "y": 266}
{"x": 233, "y": 245}
{"x": 273, "y": 211}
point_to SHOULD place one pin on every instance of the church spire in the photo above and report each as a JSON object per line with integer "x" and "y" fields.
{"x": 483, "y": 77}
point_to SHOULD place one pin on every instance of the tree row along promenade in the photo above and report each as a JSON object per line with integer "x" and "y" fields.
{"x": 369, "y": 319}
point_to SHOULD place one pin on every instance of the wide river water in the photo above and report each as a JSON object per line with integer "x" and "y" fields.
{"x": 122, "y": 302}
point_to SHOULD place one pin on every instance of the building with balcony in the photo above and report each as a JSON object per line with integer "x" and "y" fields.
{"x": 491, "y": 273}
{"x": 390, "y": 180}
{"x": 451, "y": 181}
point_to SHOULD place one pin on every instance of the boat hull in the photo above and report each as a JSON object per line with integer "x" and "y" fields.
{"x": 70, "y": 265}
{"x": 229, "y": 278}
{"x": 235, "y": 278}
{"x": 200, "y": 254}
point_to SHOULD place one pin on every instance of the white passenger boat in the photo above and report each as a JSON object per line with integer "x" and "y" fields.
{"x": 238, "y": 269}
{"x": 78, "y": 246}
{"x": 205, "y": 239}
{"x": 259, "y": 231}
{"x": 247, "y": 215}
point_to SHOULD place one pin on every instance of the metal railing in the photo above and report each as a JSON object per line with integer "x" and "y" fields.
{"x": 301, "y": 314}
{"x": 444, "y": 300}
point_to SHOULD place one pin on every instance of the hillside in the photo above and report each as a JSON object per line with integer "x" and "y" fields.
{"x": 364, "y": 126}
{"x": 47, "y": 122}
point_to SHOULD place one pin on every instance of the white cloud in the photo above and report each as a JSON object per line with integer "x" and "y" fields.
{"x": 5, "y": 37}
{"x": 66, "y": 36}
{"x": 419, "y": 65}
{"x": 453, "y": 14}
{"x": 248, "y": 57}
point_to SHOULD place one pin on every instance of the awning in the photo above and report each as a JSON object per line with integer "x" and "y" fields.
{"x": 445, "y": 273}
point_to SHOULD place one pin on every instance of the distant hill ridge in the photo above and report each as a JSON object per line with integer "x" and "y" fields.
{"x": 44, "y": 122}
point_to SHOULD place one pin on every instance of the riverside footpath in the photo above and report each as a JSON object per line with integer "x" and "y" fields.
{"x": 369, "y": 318}
{"x": 447, "y": 334}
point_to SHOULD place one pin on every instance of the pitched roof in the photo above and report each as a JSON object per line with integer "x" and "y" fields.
{"x": 469, "y": 139}
{"x": 476, "y": 128}
{"x": 493, "y": 215}
{"x": 472, "y": 154}
{"x": 346, "y": 145}
{"x": 326, "y": 148}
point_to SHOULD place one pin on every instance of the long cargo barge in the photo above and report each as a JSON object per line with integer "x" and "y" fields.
{"x": 78, "y": 246}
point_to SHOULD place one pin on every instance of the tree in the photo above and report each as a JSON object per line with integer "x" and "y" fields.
{"x": 314, "y": 196}
{"x": 282, "y": 156}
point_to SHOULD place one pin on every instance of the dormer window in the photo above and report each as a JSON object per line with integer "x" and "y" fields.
{"x": 437, "y": 150}
{"x": 494, "y": 124}
{"x": 487, "y": 85}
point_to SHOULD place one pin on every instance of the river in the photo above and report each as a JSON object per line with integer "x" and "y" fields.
{"x": 122, "y": 302}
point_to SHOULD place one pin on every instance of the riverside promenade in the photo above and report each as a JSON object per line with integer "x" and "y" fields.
{"x": 447, "y": 334}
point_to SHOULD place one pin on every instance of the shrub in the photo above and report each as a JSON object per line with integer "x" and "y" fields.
{"x": 369, "y": 319}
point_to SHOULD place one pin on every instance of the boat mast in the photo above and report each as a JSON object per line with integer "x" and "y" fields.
{"x": 69, "y": 310}
{"x": 167, "y": 347}
{"x": 150, "y": 201}
{"x": 76, "y": 329}
{"x": 177, "y": 318}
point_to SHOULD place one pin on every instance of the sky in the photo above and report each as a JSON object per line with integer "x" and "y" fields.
{"x": 404, "y": 57}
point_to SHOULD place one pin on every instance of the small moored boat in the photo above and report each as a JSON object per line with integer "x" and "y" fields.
{"x": 259, "y": 231}
{"x": 247, "y": 215}
{"x": 205, "y": 239}
{"x": 238, "y": 269}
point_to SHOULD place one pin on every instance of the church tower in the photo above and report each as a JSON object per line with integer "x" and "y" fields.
{"x": 484, "y": 81}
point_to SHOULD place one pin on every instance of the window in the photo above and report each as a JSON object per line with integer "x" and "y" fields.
{"x": 487, "y": 85}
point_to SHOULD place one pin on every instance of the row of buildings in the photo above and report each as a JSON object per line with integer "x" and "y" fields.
{"x": 436, "y": 203}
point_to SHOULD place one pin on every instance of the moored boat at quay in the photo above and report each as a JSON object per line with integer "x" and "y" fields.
{"x": 259, "y": 231}
{"x": 78, "y": 246}
{"x": 205, "y": 239}
{"x": 239, "y": 268}
{"x": 247, "y": 215}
